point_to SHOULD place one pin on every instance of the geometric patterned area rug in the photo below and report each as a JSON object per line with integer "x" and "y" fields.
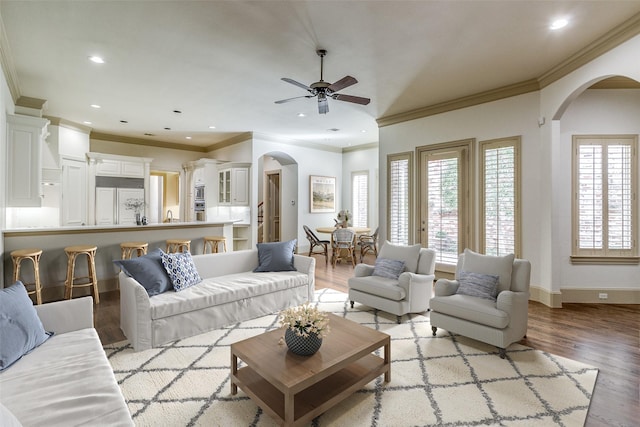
{"x": 443, "y": 380}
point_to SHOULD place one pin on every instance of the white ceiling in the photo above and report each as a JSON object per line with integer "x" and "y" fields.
{"x": 220, "y": 62}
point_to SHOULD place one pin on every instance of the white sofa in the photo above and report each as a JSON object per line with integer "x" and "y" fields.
{"x": 230, "y": 292}
{"x": 66, "y": 381}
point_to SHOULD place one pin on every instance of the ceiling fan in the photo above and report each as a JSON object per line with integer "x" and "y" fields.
{"x": 324, "y": 90}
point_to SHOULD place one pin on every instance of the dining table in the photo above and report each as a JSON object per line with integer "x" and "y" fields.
{"x": 357, "y": 230}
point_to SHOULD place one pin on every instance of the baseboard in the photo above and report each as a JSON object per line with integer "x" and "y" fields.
{"x": 592, "y": 296}
{"x": 550, "y": 299}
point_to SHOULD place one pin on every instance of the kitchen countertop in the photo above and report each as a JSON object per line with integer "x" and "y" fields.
{"x": 117, "y": 228}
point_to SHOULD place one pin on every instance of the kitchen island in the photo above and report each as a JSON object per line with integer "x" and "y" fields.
{"x": 52, "y": 241}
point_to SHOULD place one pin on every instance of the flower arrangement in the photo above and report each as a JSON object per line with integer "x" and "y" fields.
{"x": 135, "y": 205}
{"x": 344, "y": 217}
{"x": 304, "y": 320}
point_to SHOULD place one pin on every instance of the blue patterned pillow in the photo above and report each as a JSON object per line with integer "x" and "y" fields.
{"x": 478, "y": 285}
{"x": 181, "y": 270}
{"x": 389, "y": 268}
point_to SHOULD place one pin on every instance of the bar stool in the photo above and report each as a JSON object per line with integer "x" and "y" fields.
{"x": 33, "y": 255}
{"x": 213, "y": 242}
{"x": 129, "y": 248}
{"x": 72, "y": 253}
{"x": 178, "y": 245}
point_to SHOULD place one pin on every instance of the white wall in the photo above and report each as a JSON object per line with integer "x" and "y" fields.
{"x": 6, "y": 107}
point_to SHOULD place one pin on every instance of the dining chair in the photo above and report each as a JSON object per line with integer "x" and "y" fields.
{"x": 368, "y": 243}
{"x": 343, "y": 240}
{"x": 314, "y": 242}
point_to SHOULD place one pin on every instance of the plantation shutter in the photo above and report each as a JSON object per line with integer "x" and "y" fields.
{"x": 360, "y": 199}
{"x": 399, "y": 199}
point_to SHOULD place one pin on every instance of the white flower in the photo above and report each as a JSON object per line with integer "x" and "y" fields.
{"x": 134, "y": 205}
{"x": 304, "y": 320}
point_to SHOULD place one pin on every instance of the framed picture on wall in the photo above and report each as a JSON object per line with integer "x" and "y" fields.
{"x": 322, "y": 190}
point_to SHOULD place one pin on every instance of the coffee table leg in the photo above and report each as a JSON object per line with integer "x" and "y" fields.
{"x": 387, "y": 361}
{"x": 234, "y": 371}
{"x": 288, "y": 409}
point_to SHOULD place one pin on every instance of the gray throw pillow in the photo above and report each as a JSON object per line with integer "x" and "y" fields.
{"x": 148, "y": 271}
{"x": 478, "y": 285}
{"x": 389, "y": 268}
{"x": 408, "y": 254}
{"x": 501, "y": 266}
{"x": 275, "y": 256}
{"x": 20, "y": 327}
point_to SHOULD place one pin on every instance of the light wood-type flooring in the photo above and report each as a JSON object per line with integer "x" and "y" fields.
{"x": 606, "y": 336}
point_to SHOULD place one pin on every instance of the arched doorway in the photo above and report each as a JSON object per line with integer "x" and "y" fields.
{"x": 277, "y": 197}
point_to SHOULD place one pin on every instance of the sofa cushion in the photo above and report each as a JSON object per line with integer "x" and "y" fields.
{"x": 148, "y": 271}
{"x": 7, "y": 419}
{"x": 22, "y": 330}
{"x": 478, "y": 285}
{"x": 66, "y": 381}
{"x": 479, "y": 310}
{"x": 275, "y": 256}
{"x": 380, "y": 286}
{"x": 389, "y": 268}
{"x": 500, "y": 266}
{"x": 181, "y": 270}
{"x": 408, "y": 254}
{"x": 223, "y": 289}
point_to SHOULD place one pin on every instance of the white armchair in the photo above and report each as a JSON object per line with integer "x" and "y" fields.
{"x": 409, "y": 292}
{"x": 498, "y": 321}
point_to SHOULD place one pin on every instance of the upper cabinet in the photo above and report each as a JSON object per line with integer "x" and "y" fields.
{"x": 233, "y": 185}
{"x": 124, "y": 168}
{"x": 25, "y": 136}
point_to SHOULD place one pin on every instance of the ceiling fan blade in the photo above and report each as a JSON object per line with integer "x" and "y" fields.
{"x": 342, "y": 83}
{"x": 323, "y": 105}
{"x": 282, "y": 101}
{"x": 350, "y": 98}
{"x": 295, "y": 83}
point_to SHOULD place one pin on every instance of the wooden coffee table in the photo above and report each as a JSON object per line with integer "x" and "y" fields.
{"x": 294, "y": 389}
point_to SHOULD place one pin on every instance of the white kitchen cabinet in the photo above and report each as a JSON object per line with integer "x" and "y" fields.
{"x": 25, "y": 136}
{"x": 105, "y": 206}
{"x": 109, "y": 167}
{"x": 132, "y": 169}
{"x": 233, "y": 186}
{"x": 74, "y": 192}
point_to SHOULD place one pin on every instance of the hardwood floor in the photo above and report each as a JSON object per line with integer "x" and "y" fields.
{"x": 606, "y": 336}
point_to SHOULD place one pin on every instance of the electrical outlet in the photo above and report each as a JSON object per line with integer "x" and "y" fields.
{"x": 603, "y": 296}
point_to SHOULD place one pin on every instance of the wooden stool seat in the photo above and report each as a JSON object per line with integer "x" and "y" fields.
{"x": 178, "y": 245}
{"x": 129, "y": 248}
{"x": 28, "y": 254}
{"x": 213, "y": 242}
{"x": 72, "y": 253}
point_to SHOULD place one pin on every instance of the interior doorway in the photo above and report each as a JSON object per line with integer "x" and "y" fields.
{"x": 273, "y": 207}
{"x": 164, "y": 196}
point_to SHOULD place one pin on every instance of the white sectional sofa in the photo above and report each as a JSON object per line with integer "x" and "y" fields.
{"x": 67, "y": 380}
{"x": 230, "y": 292}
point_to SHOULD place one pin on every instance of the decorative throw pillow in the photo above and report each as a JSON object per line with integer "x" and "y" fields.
{"x": 389, "y": 268}
{"x": 408, "y": 254}
{"x": 275, "y": 256}
{"x": 22, "y": 330}
{"x": 148, "y": 271}
{"x": 478, "y": 285}
{"x": 181, "y": 269}
{"x": 500, "y": 266}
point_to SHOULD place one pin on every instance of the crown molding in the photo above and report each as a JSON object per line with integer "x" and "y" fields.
{"x": 464, "y": 102}
{"x": 58, "y": 121}
{"x": 620, "y": 34}
{"x": 145, "y": 142}
{"x": 6, "y": 60}
{"x": 613, "y": 38}
{"x": 369, "y": 146}
{"x": 243, "y": 137}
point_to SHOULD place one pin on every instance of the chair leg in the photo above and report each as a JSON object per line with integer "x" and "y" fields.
{"x": 434, "y": 329}
{"x": 351, "y": 304}
{"x": 399, "y": 319}
{"x": 502, "y": 352}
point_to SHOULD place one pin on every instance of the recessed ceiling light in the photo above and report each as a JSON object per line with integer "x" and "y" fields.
{"x": 334, "y": 130}
{"x": 86, "y": 122}
{"x": 301, "y": 115}
{"x": 148, "y": 134}
{"x": 363, "y": 131}
{"x": 124, "y": 121}
{"x": 167, "y": 128}
{"x": 559, "y": 23}
{"x": 177, "y": 111}
{"x": 212, "y": 127}
{"x": 187, "y": 137}
{"x": 95, "y": 106}
{"x": 96, "y": 59}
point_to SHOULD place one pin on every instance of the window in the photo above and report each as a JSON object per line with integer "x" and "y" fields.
{"x": 445, "y": 204}
{"x": 604, "y": 198}
{"x": 399, "y": 172}
{"x": 500, "y": 196}
{"x": 360, "y": 198}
